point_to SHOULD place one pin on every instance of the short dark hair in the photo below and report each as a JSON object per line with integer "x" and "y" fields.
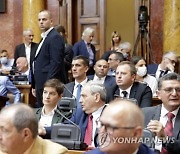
{"x": 169, "y": 76}
{"x": 119, "y": 56}
{"x": 84, "y": 59}
{"x": 132, "y": 67}
{"x": 55, "y": 83}
{"x": 60, "y": 28}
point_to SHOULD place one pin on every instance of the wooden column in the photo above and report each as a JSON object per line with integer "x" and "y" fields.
{"x": 31, "y": 8}
{"x": 171, "y": 29}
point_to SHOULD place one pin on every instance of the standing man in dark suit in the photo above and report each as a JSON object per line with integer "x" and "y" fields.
{"x": 101, "y": 68}
{"x": 26, "y": 49}
{"x": 128, "y": 88}
{"x": 92, "y": 100}
{"x": 49, "y": 59}
{"x": 86, "y": 48}
{"x": 121, "y": 120}
{"x": 157, "y": 117}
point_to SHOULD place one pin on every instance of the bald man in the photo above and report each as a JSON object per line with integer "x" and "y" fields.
{"x": 117, "y": 123}
{"x": 101, "y": 69}
{"x": 23, "y": 67}
{"x": 19, "y": 130}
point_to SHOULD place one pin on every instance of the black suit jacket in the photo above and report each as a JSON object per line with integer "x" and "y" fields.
{"x": 20, "y": 52}
{"x": 49, "y": 61}
{"x": 153, "y": 113}
{"x": 139, "y": 91}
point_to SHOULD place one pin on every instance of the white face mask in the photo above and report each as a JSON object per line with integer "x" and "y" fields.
{"x": 141, "y": 71}
{"x": 4, "y": 60}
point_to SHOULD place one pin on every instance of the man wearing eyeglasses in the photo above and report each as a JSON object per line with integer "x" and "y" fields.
{"x": 164, "y": 119}
{"x": 120, "y": 121}
{"x": 114, "y": 59}
{"x": 167, "y": 65}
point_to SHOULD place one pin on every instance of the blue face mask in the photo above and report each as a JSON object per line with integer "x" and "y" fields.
{"x": 3, "y": 60}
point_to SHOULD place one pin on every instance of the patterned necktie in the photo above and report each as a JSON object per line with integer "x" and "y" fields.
{"x": 124, "y": 94}
{"x": 89, "y": 130}
{"x": 168, "y": 129}
{"x": 79, "y": 86}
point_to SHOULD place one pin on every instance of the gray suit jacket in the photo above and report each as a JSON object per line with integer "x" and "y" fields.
{"x": 153, "y": 113}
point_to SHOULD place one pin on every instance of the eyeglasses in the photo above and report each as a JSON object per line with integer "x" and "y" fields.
{"x": 108, "y": 128}
{"x": 172, "y": 61}
{"x": 171, "y": 90}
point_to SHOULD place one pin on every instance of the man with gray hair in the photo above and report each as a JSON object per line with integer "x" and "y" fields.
{"x": 26, "y": 49}
{"x": 167, "y": 65}
{"x": 93, "y": 97}
{"x": 125, "y": 49}
{"x": 86, "y": 48}
{"x": 19, "y": 130}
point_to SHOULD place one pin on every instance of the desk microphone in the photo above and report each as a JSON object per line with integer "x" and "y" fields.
{"x": 71, "y": 122}
{"x": 68, "y": 135}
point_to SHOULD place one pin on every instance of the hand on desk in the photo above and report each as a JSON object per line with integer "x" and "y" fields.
{"x": 41, "y": 130}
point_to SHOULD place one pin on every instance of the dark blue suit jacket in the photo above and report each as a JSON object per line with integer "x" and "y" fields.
{"x": 151, "y": 69}
{"x": 49, "y": 62}
{"x": 139, "y": 91}
{"x": 80, "y": 48}
{"x": 143, "y": 149}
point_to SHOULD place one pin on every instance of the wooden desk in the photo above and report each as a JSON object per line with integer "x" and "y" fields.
{"x": 25, "y": 90}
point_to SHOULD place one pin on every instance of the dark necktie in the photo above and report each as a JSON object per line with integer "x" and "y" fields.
{"x": 124, "y": 94}
{"x": 89, "y": 130}
{"x": 79, "y": 86}
{"x": 168, "y": 129}
{"x": 161, "y": 73}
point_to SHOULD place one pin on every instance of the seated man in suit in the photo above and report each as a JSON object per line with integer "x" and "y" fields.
{"x": 114, "y": 59}
{"x": 128, "y": 88}
{"x": 101, "y": 68}
{"x": 80, "y": 66}
{"x": 167, "y": 65}
{"x": 164, "y": 120}
{"x": 121, "y": 120}
{"x": 19, "y": 133}
{"x": 92, "y": 100}
{"x": 23, "y": 68}
{"x": 48, "y": 114}
{"x": 7, "y": 86}
{"x": 86, "y": 48}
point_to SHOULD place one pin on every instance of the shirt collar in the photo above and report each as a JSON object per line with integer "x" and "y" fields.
{"x": 29, "y": 149}
{"x": 96, "y": 77}
{"x": 164, "y": 111}
{"x": 97, "y": 113}
{"x": 44, "y": 35}
{"x": 127, "y": 90}
{"x": 50, "y": 113}
{"x": 82, "y": 83}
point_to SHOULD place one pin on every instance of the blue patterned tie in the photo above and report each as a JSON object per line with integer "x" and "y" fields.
{"x": 79, "y": 86}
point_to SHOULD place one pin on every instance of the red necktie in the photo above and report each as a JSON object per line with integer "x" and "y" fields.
{"x": 168, "y": 129}
{"x": 89, "y": 130}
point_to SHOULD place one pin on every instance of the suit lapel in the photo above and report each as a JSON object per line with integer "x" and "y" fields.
{"x": 133, "y": 91}
{"x": 176, "y": 129}
{"x": 157, "y": 113}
